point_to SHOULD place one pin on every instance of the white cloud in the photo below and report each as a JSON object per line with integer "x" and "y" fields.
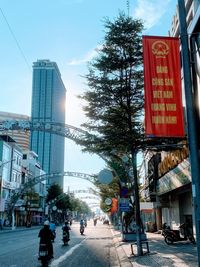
{"x": 150, "y": 11}
{"x": 87, "y": 57}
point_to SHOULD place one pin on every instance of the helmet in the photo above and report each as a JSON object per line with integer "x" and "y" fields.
{"x": 46, "y": 223}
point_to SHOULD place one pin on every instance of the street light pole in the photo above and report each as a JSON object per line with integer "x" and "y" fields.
{"x": 191, "y": 124}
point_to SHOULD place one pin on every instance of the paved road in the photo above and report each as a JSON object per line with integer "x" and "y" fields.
{"x": 95, "y": 248}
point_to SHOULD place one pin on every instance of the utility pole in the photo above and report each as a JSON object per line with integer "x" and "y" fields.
{"x": 191, "y": 125}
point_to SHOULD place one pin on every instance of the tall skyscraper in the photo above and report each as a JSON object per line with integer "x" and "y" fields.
{"x": 48, "y": 105}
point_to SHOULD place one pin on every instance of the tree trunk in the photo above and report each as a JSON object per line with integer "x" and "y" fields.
{"x": 137, "y": 203}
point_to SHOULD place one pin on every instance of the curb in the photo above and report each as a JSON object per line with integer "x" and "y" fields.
{"x": 121, "y": 254}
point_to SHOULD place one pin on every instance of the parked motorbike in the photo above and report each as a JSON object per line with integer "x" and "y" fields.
{"x": 44, "y": 255}
{"x": 172, "y": 236}
{"x": 82, "y": 228}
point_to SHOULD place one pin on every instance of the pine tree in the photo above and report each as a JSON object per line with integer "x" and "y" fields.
{"x": 115, "y": 98}
{"x": 115, "y": 95}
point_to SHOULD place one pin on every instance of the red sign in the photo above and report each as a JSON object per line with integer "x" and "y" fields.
{"x": 162, "y": 83}
{"x": 114, "y": 206}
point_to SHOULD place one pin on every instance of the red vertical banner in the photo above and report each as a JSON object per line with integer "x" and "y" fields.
{"x": 114, "y": 206}
{"x": 162, "y": 84}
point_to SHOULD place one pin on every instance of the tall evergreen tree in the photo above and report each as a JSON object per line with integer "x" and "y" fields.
{"x": 115, "y": 95}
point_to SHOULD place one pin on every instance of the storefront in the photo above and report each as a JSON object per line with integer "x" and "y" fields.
{"x": 175, "y": 195}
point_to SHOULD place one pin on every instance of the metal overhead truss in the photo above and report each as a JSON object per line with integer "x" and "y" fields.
{"x": 65, "y": 130}
{"x": 19, "y": 192}
{"x": 89, "y": 197}
{"x": 63, "y": 195}
{"x": 68, "y": 131}
{"x": 78, "y": 135}
{"x": 86, "y": 191}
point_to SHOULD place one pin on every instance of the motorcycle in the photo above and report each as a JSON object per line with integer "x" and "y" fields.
{"x": 171, "y": 236}
{"x": 82, "y": 228}
{"x": 44, "y": 255}
{"x": 65, "y": 238}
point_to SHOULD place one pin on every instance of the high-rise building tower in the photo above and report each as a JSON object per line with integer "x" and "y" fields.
{"x": 48, "y": 105}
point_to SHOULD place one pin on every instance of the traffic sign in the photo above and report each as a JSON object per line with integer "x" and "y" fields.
{"x": 124, "y": 204}
{"x": 108, "y": 201}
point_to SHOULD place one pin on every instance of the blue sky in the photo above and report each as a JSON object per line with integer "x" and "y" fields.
{"x": 67, "y": 32}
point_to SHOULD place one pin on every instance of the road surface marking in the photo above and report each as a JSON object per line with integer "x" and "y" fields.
{"x": 64, "y": 256}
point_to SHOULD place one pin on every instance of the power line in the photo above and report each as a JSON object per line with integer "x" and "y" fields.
{"x": 15, "y": 39}
{"x": 128, "y": 6}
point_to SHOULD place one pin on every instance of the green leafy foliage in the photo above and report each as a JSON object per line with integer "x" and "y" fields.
{"x": 80, "y": 206}
{"x": 53, "y": 192}
{"x": 66, "y": 201}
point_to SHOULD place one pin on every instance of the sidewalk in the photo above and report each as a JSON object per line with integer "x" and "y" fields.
{"x": 181, "y": 254}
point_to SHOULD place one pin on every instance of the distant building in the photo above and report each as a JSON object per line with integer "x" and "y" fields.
{"x": 48, "y": 105}
{"x": 20, "y": 137}
{"x": 10, "y": 171}
{"x": 34, "y": 200}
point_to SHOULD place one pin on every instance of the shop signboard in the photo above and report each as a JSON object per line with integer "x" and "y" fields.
{"x": 175, "y": 178}
{"x": 7, "y": 184}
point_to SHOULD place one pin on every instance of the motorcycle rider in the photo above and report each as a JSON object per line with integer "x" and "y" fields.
{"x": 52, "y": 227}
{"x": 82, "y": 224}
{"x": 66, "y": 228}
{"x": 45, "y": 235}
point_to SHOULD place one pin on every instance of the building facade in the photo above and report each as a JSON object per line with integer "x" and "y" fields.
{"x": 21, "y": 137}
{"x": 33, "y": 203}
{"x": 168, "y": 180}
{"x": 48, "y": 105}
{"x": 10, "y": 172}
{"x": 16, "y": 169}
